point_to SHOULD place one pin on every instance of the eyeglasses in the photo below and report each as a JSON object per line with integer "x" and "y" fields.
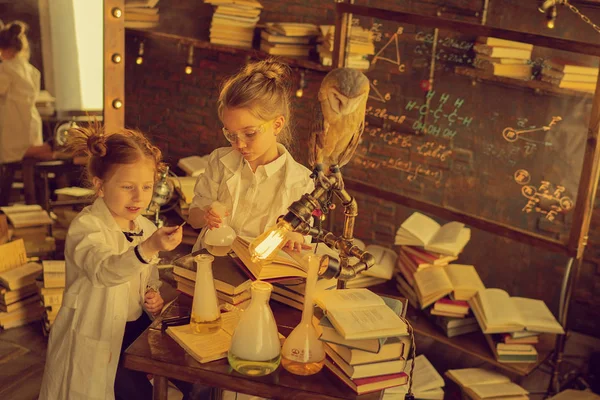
{"x": 248, "y": 135}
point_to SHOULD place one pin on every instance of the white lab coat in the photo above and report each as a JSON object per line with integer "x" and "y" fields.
{"x": 20, "y": 121}
{"x": 86, "y": 337}
{"x": 220, "y": 183}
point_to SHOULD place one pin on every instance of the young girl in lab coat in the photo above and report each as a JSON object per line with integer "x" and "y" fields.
{"x": 20, "y": 122}
{"x": 110, "y": 276}
{"x": 256, "y": 178}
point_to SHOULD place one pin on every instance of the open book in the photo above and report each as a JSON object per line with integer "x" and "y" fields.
{"x": 360, "y": 314}
{"x": 434, "y": 283}
{"x": 287, "y": 264}
{"x": 497, "y": 312}
{"x": 481, "y": 383}
{"x": 23, "y": 216}
{"x": 420, "y": 230}
{"x": 207, "y": 347}
{"x": 12, "y": 255}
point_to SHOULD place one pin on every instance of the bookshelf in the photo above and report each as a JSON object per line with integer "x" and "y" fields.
{"x": 206, "y": 45}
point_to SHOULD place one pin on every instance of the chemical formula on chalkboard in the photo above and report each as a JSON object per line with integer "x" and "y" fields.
{"x": 543, "y": 199}
{"x": 438, "y": 113}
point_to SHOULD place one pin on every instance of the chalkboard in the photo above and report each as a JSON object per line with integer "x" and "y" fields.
{"x": 442, "y": 131}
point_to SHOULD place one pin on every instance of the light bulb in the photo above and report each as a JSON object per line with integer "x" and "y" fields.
{"x": 266, "y": 246}
{"x": 299, "y": 93}
{"x": 139, "y": 60}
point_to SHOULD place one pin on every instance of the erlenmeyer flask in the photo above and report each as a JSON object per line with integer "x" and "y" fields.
{"x": 218, "y": 240}
{"x": 255, "y": 348}
{"x": 302, "y": 352}
{"x": 206, "y": 316}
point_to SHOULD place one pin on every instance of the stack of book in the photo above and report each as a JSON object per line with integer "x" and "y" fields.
{"x": 232, "y": 285}
{"x": 478, "y": 384}
{"x": 193, "y": 165}
{"x": 51, "y": 290}
{"x": 234, "y": 21}
{"x": 502, "y": 57}
{"x": 31, "y": 223}
{"x": 427, "y": 383}
{"x": 569, "y": 75}
{"x": 3, "y": 229}
{"x": 498, "y": 313}
{"x": 19, "y": 301}
{"x": 447, "y": 307}
{"x": 365, "y": 340}
{"x": 184, "y": 187}
{"x": 456, "y": 326}
{"x": 360, "y": 47}
{"x": 288, "y": 39}
{"x": 141, "y": 14}
{"x": 78, "y": 198}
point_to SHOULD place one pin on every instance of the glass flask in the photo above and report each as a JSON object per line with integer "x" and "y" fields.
{"x": 206, "y": 316}
{"x": 255, "y": 348}
{"x": 218, "y": 241}
{"x": 303, "y": 352}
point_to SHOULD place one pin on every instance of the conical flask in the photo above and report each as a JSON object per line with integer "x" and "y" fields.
{"x": 206, "y": 316}
{"x": 218, "y": 240}
{"x": 255, "y": 348}
{"x": 303, "y": 352}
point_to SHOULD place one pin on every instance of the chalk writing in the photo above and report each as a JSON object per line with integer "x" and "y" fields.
{"x": 375, "y": 94}
{"x": 412, "y": 169}
{"x": 438, "y": 113}
{"x": 501, "y": 153}
{"x": 395, "y": 50}
{"x": 512, "y": 135}
{"x": 444, "y": 41}
{"x": 543, "y": 199}
{"x": 444, "y": 55}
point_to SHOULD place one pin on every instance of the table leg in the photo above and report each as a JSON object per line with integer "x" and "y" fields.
{"x": 160, "y": 388}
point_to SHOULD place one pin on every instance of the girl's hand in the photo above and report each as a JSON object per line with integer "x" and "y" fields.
{"x": 164, "y": 239}
{"x": 153, "y": 302}
{"x": 212, "y": 218}
{"x": 295, "y": 242}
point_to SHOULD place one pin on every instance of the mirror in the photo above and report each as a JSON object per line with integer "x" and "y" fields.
{"x": 66, "y": 41}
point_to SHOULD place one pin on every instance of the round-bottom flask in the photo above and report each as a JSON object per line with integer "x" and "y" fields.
{"x": 218, "y": 241}
{"x": 255, "y": 348}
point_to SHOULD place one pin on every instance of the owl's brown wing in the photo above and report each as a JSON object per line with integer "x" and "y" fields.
{"x": 317, "y": 134}
{"x": 348, "y": 152}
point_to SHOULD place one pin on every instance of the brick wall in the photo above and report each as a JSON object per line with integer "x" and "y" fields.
{"x": 179, "y": 112}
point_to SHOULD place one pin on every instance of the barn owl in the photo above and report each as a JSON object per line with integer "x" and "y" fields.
{"x": 338, "y": 121}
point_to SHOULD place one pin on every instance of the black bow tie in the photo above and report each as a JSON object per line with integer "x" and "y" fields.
{"x": 129, "y": 235}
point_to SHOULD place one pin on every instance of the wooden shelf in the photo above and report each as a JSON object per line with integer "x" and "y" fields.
{"x": 204, "y": 44}
{"x": 537, "y": 86}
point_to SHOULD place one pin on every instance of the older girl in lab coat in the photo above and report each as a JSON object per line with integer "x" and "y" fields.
{"x": 256, "y": 178}
{"x": 20, "y": 122}
{"x": 111, "y": 279}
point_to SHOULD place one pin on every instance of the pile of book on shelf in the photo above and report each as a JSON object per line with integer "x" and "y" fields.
{"x": 19, "y": 300}
{"x": 31, "y": 223}
{"x": 233, "y": 22}
{"x": 502, "y": 57}
{"x": 512, "y": 325}
{"x": 365, "y": 339}
{"x": 479, "y": 384}
{"x": 141, "y": 14}
{"x": 77, "y": 198}
{"x": 427, "y": 383}
{"x": 294, "y": 40}
{"x": 569, "y": 74}
{"x": 51, "y": 289}
{"x": 360, "y": 47}
{"x": 232, "y": 285}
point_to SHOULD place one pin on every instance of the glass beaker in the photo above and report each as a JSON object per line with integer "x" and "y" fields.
{"x": 255, "y": 348}
{"x": 206, "y": 315}
{"x": 218, "y": 241}
{"x": 303, "y": 352}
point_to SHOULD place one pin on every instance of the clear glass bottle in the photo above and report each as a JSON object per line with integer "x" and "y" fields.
{"x": 218, "y": 241}
{"x": 303, "y": 352}
{"x": 255, "y": 348}
{"x": 206, "y": 315}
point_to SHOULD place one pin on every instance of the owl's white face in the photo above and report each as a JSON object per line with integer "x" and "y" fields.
{"x": 341, "y": 104}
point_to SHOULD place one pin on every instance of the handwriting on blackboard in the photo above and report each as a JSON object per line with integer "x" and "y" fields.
{"x": 438, "y": 113}
{"x": 512, "y": 135}
{"x": 393, "y": 41}
{"x": 412, "y": 169}
{"x": 543, "y": 199}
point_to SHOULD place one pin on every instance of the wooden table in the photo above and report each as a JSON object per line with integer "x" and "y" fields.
{"x": 156, "y": 353}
